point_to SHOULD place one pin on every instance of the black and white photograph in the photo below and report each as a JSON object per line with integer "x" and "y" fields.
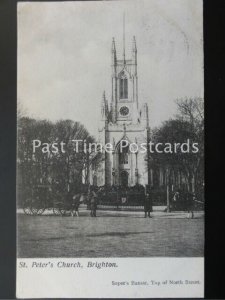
{"x": 110, "y": 146}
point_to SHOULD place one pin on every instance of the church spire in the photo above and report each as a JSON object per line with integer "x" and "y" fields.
{"x": 104, "y": 107}
{"x": 134, "y": 46}
{"x": 113, "y": 45}
{"x": 113, "y": 50}
{"x": 103, "y": 97}
{"x": 134, "y": 54}
{"x": 105, "y": 102}
{"x": 124, "y": 57}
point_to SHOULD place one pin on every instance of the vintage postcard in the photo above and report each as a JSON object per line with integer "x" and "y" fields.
{"x": 110, "y": 149}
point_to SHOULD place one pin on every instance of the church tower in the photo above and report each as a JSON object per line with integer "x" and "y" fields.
{"x": 124, "y": 86}
{"x": 123, "y": 121}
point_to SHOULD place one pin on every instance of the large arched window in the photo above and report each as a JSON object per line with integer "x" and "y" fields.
{"x": 123, "y": 157}
{"x": 123, "y": 87}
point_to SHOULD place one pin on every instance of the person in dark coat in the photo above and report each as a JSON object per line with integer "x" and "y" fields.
{"x": 76, "y": 204}
{"x": 190, "y": 205}
{"x": 176, "y": 199}
{"x": 93, "y": 200}
{"x": 148, "y": 205}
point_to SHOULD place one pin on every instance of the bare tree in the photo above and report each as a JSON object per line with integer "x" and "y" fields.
{"x": 188, "y": 125}
{"x": 191, "y": 110}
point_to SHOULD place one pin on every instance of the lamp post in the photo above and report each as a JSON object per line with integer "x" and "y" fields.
{"x": 168, "y": 198}
{"x": 113, "y": 174}
{"x": 136, "y": 167}
{"x": 136, "y": 175}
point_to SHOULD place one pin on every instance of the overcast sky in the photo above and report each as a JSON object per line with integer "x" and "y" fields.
{"x": 64, "y": 58}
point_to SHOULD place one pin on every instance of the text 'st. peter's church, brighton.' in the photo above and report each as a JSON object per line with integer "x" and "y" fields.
{"x": 123, "y": 120}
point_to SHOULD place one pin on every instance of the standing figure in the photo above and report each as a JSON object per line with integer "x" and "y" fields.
{"x": 76, "y": 204}
{"x": 176, "y": 200}
{"x": 148, "y": 205}
{"x": 93, "y": 197}
{"x": 190, "y": 205}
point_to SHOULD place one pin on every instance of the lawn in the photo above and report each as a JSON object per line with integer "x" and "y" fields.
{"x": 111, "y": 234}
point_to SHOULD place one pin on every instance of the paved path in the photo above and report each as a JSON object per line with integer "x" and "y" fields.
{"x": 158, "y": 211}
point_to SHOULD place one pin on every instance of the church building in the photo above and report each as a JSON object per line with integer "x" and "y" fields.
{"x": 123, "y": 121}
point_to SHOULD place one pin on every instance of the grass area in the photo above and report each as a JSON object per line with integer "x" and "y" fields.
{"x": 110, "y": 235}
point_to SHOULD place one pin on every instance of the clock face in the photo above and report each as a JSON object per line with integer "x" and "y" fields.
{"x": 124, "y": 111}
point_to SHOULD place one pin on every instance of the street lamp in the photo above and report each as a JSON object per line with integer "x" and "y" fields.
{"x": 113, "y": 174}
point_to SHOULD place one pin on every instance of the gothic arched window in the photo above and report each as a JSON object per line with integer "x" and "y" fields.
{"x": 123, "y": 87}
{"x": 123, "y": 158}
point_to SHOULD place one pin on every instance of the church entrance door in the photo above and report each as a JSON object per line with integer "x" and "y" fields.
{"x": 124, "y": 178}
